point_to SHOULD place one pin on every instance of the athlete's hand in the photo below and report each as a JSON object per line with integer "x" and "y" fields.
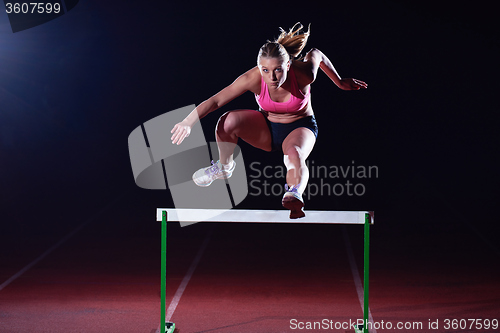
{"x": 352, "y": 84}
{"x": 180, "y": 132}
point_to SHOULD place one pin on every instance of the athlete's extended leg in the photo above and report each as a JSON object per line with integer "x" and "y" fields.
{"x": 249, "y": 125}
{"x": 296, "y": 148}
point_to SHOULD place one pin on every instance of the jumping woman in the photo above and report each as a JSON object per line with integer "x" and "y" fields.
{"x": 282, "y": 86}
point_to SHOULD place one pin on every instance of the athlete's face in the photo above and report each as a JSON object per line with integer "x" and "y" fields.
{"x": 274, "y": 71}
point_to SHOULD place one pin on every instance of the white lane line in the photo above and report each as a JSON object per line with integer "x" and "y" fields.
{"x": 55, "y": 246}
{"x": 187, "y": 277}
{"x": 180, "y": 290}
{"x": 357, "y": 279}
{"x": 43, "y": 255}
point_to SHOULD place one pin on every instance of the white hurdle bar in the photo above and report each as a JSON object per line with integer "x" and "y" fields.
{"x": 261, "y": 216}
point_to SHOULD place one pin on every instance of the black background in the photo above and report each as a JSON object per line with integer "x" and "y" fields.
{"x": 72, "y": 90}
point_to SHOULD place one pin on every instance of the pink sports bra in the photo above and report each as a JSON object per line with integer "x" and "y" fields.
{"x": 296, "y": 102}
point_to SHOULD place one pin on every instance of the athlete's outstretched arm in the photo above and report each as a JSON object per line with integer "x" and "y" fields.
{"x": 319, "y": 60}
{"x": 239, "y": 86}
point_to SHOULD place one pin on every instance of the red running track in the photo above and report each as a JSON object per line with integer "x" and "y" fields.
{"x": 251, "y": 277}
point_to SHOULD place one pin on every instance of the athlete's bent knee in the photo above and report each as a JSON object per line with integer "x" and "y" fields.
{"x": 227, "y": 123}
{"x": 293, "y": 154}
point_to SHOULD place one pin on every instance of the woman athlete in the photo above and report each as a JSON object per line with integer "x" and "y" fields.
{"x": 281, "y": 84}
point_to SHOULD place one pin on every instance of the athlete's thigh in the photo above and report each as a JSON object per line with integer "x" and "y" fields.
{"x": 251, "y": 126}
{"x": 301, "y": 141}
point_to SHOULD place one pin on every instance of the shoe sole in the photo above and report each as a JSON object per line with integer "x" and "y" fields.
{"x": 295, "y": 206}
{"x": 206, "y": 185}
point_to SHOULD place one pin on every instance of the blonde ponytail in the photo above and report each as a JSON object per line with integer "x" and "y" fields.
{"x": 288, "y": 45}
{"x": 293, "y": 41}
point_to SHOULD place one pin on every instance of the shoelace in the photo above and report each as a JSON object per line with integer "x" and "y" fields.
{"x": 213, "y": 169}
{"x": 292, "y": 189}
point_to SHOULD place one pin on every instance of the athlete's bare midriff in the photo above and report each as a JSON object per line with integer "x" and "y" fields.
{"x": 289, "y": 117}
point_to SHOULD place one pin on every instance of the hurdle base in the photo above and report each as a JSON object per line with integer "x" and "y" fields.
{"x": 359, "y": 329}
{"x": 169, "y": 327}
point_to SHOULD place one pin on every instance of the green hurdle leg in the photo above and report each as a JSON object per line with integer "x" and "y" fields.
{"x": 366, "y": 272}
{"x": 165, "y": 327}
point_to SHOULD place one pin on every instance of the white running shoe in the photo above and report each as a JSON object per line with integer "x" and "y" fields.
{"x": 205, "y": 176}
{"x": 293, "y": 201}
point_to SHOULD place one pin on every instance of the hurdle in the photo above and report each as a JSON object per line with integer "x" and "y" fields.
{"x": 262, "y": 216}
